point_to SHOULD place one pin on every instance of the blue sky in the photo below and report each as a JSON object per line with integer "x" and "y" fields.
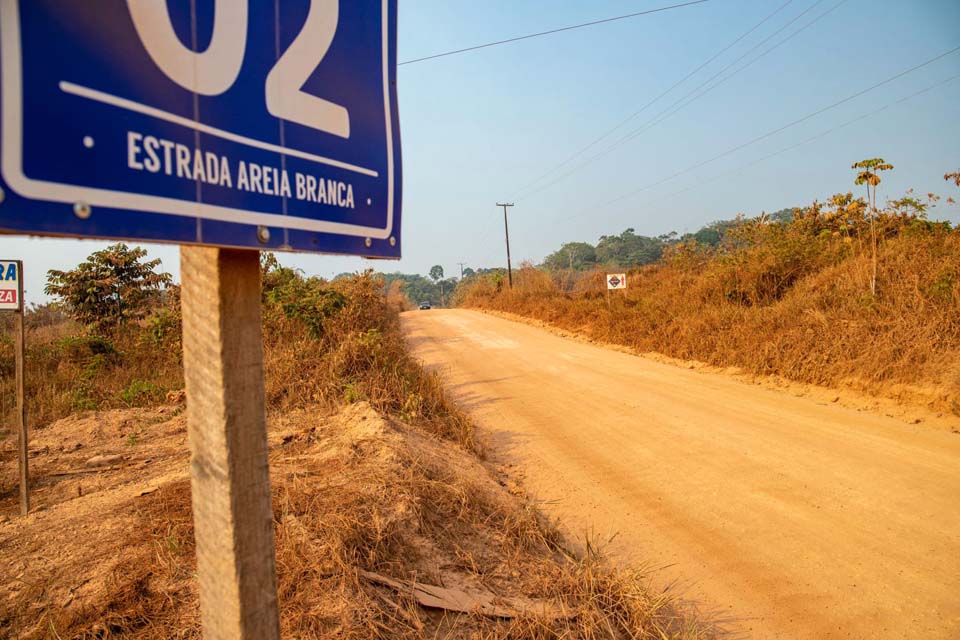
{"x": 477, "y": 127}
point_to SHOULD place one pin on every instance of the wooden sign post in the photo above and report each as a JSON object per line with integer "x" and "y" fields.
{"x": 226, "y": 421}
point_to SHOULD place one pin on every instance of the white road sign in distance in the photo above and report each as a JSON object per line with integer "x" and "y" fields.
{"x": 10, "y": 285}
{"x": 616, "y": 281}
{"x": 237, "y": 123}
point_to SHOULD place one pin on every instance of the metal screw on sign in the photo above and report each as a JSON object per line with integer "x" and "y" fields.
{"x": 393, "y": 241}
{"x": 263, "y": 235}
{"x": 82, "y": 210}
{"x": 2, "y": 195}
{"x": 368, "y": 242}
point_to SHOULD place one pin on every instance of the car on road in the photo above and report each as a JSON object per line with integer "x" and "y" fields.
{"x": 424, "y": 306}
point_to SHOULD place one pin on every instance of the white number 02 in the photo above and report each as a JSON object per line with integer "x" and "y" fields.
{"x": 214, "y": 70}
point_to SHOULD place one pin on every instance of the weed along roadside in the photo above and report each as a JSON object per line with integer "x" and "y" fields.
{"x": 793, "y": 297}
{"x": 378, "y": 482}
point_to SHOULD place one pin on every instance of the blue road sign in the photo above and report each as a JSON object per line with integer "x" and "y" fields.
{"x": 239, "y": 123}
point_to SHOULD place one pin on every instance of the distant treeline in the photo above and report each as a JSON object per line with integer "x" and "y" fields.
{"x": 435, "y": 288}
{"x": 631, "y": 250}
{"x": 617, "y": 252}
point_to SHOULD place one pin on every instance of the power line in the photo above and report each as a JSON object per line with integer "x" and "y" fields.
{"x": 788, "y": 125}
{"x": 675, "y": 85}
{"x": 791, "y": 147}
{"x": 654, "y": 101}
{"x": 551, "y": 31}
{"x": 814, "y": 138}
{"x": 708, "y": 89}
{"x": 671, "y": 110}
{"x": 681, "y": 81}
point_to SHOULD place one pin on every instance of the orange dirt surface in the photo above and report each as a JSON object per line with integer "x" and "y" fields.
{"x": 92, "y": 477}
{"x": 108, "y": 546}
{"x": 808, "y": 519}
{"x": 382, "y": 531}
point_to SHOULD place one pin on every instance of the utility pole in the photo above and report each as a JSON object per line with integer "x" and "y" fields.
{"x": 506, "y": 232}
{"x": 461, "y": 269}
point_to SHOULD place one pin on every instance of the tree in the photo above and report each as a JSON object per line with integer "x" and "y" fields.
{"x": 869, "y": 175}
{"x": 630, "y": 250}
{"x": 955, "y": 176}
{"x": 468, "y": 272}
{"x": 113, "y": 286}
{"x": 708, "y": 235}
{"x": 436, "y": 273}
{"x": 783, "y": 215}
{"x": 419, "y": 288}
{"x": 575, "y": 256}
{"x": 713, "y": 234}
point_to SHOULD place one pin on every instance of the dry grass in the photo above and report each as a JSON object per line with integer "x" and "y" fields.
{"x": 70, "y": 370}
{"x": 352, "y": 492}
{"x": 359, "y": 356}
{"x": 109, "y": 552}
{"x": 785, "y": 302}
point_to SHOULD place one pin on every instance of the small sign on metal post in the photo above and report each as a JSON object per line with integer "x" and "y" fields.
{"x": 11, "y": 299}
{"x": 616, "y": 281}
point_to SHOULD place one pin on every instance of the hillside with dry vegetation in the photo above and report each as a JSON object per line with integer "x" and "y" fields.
{"x": 388, "y": 524}
{"x": 840, "y": 294}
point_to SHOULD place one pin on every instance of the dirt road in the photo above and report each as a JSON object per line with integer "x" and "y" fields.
{"x": 802, "y": 520}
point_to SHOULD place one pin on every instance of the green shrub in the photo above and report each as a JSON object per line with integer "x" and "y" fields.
{"x": 110, "y": 288}
{"x": 307, "y": 300}
{"x": 81, "y": 349}
{"x": 142, "y": 392}
{"x": 942, "y": 288}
